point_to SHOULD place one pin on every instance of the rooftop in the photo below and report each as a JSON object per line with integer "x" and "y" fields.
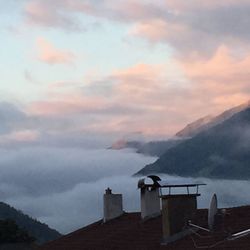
{"x": 130, "y": 232}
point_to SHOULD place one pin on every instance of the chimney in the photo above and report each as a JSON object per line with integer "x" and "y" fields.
{"x": 177, "y": 210}
{"x": 150, "y": 200}
{"x": 112, "y": 205}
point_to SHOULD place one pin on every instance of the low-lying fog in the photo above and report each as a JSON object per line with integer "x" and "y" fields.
{"x": 63, "y": 187}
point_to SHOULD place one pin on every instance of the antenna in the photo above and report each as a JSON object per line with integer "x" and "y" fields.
{"x": 212, "y": 211}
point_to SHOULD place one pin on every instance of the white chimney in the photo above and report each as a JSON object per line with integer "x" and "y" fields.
{"x": 112, "y": 205}
{"x": 150, "y": 203}
{"x": 150, "y": 200}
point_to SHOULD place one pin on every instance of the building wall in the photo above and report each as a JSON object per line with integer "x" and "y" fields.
{"x": 112, "y": 206}
{"x": 176, "y": 211}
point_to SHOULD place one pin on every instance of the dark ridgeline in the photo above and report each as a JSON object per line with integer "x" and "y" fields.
{"x": 221, "y": 151}
{"x": 209, "y": 121}
{"x": 158, "y": 148}
{"x": 35, "y": 229}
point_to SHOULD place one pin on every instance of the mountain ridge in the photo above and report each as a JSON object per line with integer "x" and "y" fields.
{"x": 40, "y": 231}
{"x": 159, "y": 147}
{"x": 218, "y": 152}
{"x": 209, "y": 121}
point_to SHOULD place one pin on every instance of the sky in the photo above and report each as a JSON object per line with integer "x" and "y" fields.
{"x": 110, "y": 69}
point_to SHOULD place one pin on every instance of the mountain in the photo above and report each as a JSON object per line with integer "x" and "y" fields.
{"x": 195, "y": 127}
{"x": 153, "y": 148}
{"x": 11, "y": 233}
{"x": 40, "y": 231}
{"x": 209, "y": 121}
{"x": 157, "y": 148}
{"x": 221, "y": 151}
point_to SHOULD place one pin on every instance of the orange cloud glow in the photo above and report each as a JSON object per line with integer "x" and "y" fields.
{"x": 157, "y": 30}
{"x": 145, "y": 97}
{"x": 223, "y": 78}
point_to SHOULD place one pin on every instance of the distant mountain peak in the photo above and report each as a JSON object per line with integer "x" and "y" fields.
{"x": 220, "y": 151}
{"x": 209, "y": 121}
{"x": 194, "y": 127}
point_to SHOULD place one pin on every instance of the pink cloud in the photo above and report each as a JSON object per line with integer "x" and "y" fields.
{"x": 50, "y": 108}
{"x": 210, "y": 86}
{"x": 180, "y": 5}
{"x": 20, "y": 136}
{"x": 48, "y": 53}
{"x": 159, "y": 30}
{"x": 153, "y": 99}
{"x": 50, "y": 14}
{"x": 62, "y": 13}
{"x": 60, "y": 103}
{"x": 179, "y": 24}
{"x": 223, "y": 78}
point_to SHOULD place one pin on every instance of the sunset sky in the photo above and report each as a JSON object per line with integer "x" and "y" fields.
{"x": 72, "y": 68}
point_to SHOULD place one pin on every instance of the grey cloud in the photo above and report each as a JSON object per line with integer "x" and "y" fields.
{"x": 51, "y": 14}
{"x": 48, "y": 182}
{"x": 63, "y": 14}
{"x": 10, "y": 117}
{"x": 231, "y": 21}
{"x": 102, "y": 87}
{"x": 40, "y": 170}
{"x": 202, "y": 29}
{"x": 211, "y": 25}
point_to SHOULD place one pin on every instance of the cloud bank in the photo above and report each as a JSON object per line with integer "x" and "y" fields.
{"x": 64, "y": 187}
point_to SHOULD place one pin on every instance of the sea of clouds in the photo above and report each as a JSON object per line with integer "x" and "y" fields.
{"x": 63, "y": 187}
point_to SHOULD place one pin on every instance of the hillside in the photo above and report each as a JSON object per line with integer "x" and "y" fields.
{"x": 209, "y": 121}
{"x": 11, "y": 233}
{"x": 195, "y": 127}
{"x": 153, "y": 148}
{"x": 157, "y": 148}
{"x": 218, "y": 152}
{"x": 40, "y": 231}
